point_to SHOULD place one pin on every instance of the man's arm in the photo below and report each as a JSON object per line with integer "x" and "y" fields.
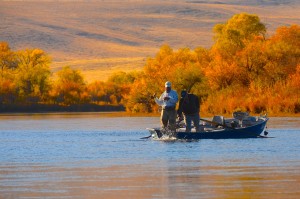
{"x": 179, "y": 111}
{"x": 159, "y": 101}
{"x": 197, "y": 103}
{"x": 173, "y": 98}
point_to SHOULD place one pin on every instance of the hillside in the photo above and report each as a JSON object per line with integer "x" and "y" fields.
{"x": 99, "y": 37}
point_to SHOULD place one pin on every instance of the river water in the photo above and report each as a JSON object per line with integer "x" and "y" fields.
{"x": 99, "y": 155}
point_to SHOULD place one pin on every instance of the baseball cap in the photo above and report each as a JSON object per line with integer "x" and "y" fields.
{"x": 168, "y": 84}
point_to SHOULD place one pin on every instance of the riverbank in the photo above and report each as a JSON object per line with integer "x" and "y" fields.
{"x": 107, "y": 111}
{"x": 110, "y": 110}
{"x": 50, "y": 108}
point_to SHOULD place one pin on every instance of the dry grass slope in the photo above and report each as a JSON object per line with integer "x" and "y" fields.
{"x": 99, "y": 37}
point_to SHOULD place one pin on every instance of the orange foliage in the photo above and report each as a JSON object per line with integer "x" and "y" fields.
{"x": 294, "y": 80}
{"x": 222, "y": 75}
{"x": 7, "y": 91}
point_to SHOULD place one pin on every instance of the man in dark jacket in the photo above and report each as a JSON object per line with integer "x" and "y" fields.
{"x": 189, "y": 106}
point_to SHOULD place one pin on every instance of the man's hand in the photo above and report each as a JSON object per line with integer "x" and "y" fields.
{"x": 179, "y": 117}
{"x": 153, "y": 96}
{"x": 166, "y": 98}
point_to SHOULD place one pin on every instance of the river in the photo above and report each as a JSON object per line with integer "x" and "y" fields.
{"x": 99, "y": 155}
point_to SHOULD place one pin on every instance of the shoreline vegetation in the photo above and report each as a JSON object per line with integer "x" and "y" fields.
{"x": 112, "y": 112}
{"x": 243, "y": 71}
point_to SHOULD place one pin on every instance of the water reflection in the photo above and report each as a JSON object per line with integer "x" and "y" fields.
{"x": 149, "y": 181}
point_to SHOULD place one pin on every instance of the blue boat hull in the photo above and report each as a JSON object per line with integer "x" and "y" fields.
{"x": 226, "y": 133}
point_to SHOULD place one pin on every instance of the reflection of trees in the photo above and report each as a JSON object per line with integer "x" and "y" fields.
{"x": 230, "y": 182}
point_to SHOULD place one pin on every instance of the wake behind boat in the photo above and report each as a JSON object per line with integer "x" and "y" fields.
{"x": 240, "y": 126}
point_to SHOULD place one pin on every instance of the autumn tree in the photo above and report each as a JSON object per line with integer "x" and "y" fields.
{"x": 188, "y": 71}
{"x": 251, "y": 62}
{"x": 70, "y": 87}
{"x": 234, "y": 35}
{"x": 97, "y": 92}
{"x": 8, "y": 94}
{"x": 105, "y": 92}
{"x": 7, "y": 63}
{"x": 234, "y": 54}
{"x": 7, "y": 59}
{"x": 122, "y": 78}
{"x": 32, "y": 74}
{"x": 160, "y": 67}
{"x": 123, "y": 81}
{"x": 181, "y": 67}
{"x": 283, "y": 53}
{"x": 139, "y": 99}
{"x": 294, "y": 80}
{"x": 156, "y": 71}
{"x": 222, "y": 75}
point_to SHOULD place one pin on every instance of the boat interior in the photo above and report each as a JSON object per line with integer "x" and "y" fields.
{"x": 238, "y": 120}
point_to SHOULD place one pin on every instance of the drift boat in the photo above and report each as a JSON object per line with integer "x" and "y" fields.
{"x": 240, "y": 126}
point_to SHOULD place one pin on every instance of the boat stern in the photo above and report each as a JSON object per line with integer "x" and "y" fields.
{"x": 155, "y": 133}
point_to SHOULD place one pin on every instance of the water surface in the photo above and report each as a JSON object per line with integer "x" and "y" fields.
{"x": 93, "y": 155}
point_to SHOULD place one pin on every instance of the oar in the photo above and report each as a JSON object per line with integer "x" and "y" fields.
{"x": 146, "y": 137}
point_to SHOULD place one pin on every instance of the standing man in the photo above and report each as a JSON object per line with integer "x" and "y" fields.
{"x": 168, "y": 100}
{"x": 190, "y": 107}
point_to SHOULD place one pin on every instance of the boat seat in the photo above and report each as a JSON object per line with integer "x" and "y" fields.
{"x": 218, "y": 119}
{"x": 240, "y": 116}
{"x": 249, "y": 121}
